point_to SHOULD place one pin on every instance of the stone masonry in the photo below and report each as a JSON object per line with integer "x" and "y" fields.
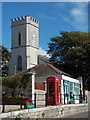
{"x": 59, "y": 111}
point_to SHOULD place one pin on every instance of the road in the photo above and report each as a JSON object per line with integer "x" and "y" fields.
{"x": 80, "y": 115}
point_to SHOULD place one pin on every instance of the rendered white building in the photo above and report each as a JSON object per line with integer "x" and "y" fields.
{"x": 24, "y": 47}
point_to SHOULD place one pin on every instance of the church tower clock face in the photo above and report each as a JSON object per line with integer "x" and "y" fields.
{"x": 34, "y": 36}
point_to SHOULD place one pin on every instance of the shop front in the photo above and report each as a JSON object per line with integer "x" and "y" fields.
{"x": 70, "y": 89}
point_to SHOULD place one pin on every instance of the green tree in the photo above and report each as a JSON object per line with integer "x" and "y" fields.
{"x": 0, "y": 60}
{"x": 5, "y": 61}
{"x": 12, "y": 83}
{"x": 17, "y": 81}
{"x": 71, "y": 52}
{"x": 25, "y": 80}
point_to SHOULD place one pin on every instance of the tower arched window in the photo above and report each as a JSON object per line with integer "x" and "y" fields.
{"x": 19, "y": 65}
{"x": 19, "y": 39}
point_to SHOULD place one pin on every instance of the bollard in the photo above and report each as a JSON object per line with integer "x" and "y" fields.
{"x": 64, "y": 98}
{"x": 35, "y": 100}
{"x": 86, "y": 98}
{"x": 73, "y": 96}
{"x": 67, "y": 98}
{"x": 21, "y": 101}
{"x": 45, "y": 99}
{"x": 79, "y": 98}
{"x": 3, "y": 108}
{"x": 60, "y": 98}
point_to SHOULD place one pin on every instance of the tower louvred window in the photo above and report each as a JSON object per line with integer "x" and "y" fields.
{"x": 19, "y": 41}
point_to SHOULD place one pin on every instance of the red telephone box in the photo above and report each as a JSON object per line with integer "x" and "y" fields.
{"x": 53, "y": 90}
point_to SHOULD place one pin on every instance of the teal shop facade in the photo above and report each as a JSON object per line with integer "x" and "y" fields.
{"x": 70, "y": 86}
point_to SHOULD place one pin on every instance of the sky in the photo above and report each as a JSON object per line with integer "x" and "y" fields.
{"x": 46, "y": 0}
{"x": 53, "y": 17}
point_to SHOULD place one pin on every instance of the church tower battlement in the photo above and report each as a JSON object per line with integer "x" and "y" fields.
{"x": 24, "y": 43}
{"x": 25, "y": 19}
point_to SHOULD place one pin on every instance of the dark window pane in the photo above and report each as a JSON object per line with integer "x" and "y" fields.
{"x": 19, "y": 42}
{"x": 19, "y": 63}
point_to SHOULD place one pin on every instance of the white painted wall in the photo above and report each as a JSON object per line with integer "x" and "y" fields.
{"x": 28, "y": 50}
{"x": 70, "y": 79}
{"x": 31, "y": 87}
{"x": 62, "y": 91}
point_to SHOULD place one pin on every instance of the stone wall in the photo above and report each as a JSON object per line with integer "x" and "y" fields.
{"x": 59, "y": 111}
{"x": 40, "y": 98}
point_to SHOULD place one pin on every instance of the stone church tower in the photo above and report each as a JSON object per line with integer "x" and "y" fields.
{"x": 24, "y": 48}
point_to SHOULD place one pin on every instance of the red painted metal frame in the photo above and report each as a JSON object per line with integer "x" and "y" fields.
{"x": 54, "y": 99}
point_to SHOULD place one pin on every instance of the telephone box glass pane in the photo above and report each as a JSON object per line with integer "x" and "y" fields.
{"x": 50, "y": 91}
{"x": 57, "y": 91}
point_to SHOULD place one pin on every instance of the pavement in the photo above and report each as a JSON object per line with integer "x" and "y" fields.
{"x": 9, "y": 108}
{"x": 80, "y": 115}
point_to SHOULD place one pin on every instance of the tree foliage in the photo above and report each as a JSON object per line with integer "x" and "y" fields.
{"x": 0, "y": 60}
{"x": 12, "y": 83}
{"x": 5, "y": 61}
{"x": 18, "y": 81}
{"x": 25, "y": 80}
{"x": 71, "y": 52}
